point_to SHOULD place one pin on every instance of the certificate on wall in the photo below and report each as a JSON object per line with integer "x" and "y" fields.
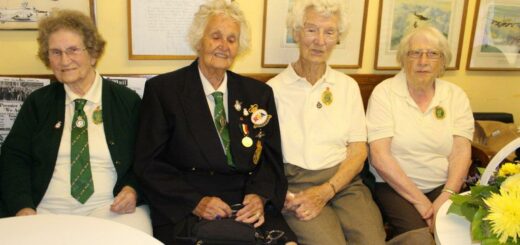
{"x": 158, "y": 29}
{"x": 13, "y": 92}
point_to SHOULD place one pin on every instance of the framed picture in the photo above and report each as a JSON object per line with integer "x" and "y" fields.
{"x": 495, "y": 38}
{"x": 279, "y": 48}
{"x": 24, "y": 14}
{"x": 397, "y": 17}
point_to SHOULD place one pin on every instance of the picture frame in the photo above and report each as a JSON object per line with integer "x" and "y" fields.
{"x": 24, "y": 14}
{"x": 397, "y": 17}
{"x": 278, "y": 48}
{"x": 495, "y": 37}
{"x": 158, "y": 29}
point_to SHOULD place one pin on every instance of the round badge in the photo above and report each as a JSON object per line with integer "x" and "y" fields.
{"x": 80, "y": 123}
{"x": 247, "y": 141}
{"x": 259, "y": 117}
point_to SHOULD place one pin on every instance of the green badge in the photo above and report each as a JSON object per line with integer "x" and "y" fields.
{"x": 439, "y": 112}
{"x": 97, "y": 116}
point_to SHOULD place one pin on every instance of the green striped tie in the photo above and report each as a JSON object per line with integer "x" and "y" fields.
{"x": 82, "y": 186}
{"x": 221, "y": 124}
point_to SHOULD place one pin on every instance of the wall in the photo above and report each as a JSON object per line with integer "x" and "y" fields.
{"x": 488, "y": 91}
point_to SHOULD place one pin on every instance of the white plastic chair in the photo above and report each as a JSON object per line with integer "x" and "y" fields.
{"x": 497, "y": 159}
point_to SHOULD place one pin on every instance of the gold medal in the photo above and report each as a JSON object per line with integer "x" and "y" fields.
{"x": 258, "y": 152}
{"x": 326, "y": 97}
{"x": 97, "y": 116}
{"x": 439, "y": 112}
{"x": 247, "y": 141}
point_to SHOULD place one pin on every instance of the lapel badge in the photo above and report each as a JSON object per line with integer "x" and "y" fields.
{"x": 259, "y": 117}
{"x": 80, "y": 122}
{"x": 238, "y": 105}
{"x": 97, "y": 116}
{"x": 326, "y": 97}
{"x": 318, "y": 105}
{"x": 245, "y": 112}
{"x": 439, "y": 112}
{"x": 57, "y": 125}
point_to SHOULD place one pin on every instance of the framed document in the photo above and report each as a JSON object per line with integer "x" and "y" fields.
{"x": 495, "y": 38}
{"x": 397, "y": 17}
{"x": 279, "y": 48}
{"x": 158, "y": 29}
{"x": 24, "y": 14}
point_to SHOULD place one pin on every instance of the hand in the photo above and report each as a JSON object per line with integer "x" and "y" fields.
{"x": 211, "y": 208}
{"x": 25, "y": 212}
{"x": 441, "y": 199}
{"x": 311, "y": 201}
{"x": 253, "y": 210}
{"x": 288, "y": 205}
{"x": 426, "y": 211}
{"x": 125, "y": 201}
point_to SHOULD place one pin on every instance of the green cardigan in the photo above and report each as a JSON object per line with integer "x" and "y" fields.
{"x": 29, "y": 153}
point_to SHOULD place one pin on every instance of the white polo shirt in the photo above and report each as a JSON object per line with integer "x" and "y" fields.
{"x": 421, "y": 142}
{"x": 57, "y": 198}
{"x": 315, "y": 133}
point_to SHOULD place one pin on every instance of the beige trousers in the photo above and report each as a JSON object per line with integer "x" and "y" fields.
{"x": 351, "y": 216}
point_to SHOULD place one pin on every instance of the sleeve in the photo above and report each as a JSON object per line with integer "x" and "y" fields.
{"x": 358, "y": 129}
{"x": 380, "y": 121}
{"x": 16, "y": 161}
{"x": 161, "y": 181}
{"x": 269, "y": 179}
{"x": 463, "y": 122}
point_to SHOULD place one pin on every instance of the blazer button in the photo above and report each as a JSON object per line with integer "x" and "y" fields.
{"x": 111, "y": 142}
{"x": 193, "y": 169}
{"x": 211, "y": 173}
{"x": 250, "y": 173}
{"x": 117, "y": 162}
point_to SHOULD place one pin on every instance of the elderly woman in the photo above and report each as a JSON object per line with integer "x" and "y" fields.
{"x": 323, "y": 130}
{"x": 70, "y": 150}
{"x": 419, "y": 130}
{"x": 208, "y": 141}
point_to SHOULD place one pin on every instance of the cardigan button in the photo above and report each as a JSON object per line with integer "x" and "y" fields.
{"x": 117, "y": 162}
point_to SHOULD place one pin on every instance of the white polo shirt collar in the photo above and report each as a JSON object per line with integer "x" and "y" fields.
{"x": 292, "y": 77}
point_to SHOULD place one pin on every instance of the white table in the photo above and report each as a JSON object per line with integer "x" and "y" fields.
{"x": 69, "y": 229}
{"x": 451, "y": 229}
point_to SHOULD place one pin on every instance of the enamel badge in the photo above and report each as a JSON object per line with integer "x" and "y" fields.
{"x": 258, "y": 152}
{"x": 238, "y": 105}
{"x": 439, "y": 112}
{"x": 259, "y": 117}
{"x": 97, "y": 116}
{"x": 80, "y": 123}
{"x": 326, "y": 97}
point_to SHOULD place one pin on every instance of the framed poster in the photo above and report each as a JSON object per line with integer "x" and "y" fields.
{"x": 495, "y": 38}
{"x": 397, "y": 17}
{"x": 279, "y": 49}
{"x": 24, "y": 14}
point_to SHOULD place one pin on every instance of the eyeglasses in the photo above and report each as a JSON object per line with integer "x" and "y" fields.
{"x": 270, "y": 237}
{"x": 71, "y": 52}
{"x": 430, "y": 54}
{"x": 314, "y": 32}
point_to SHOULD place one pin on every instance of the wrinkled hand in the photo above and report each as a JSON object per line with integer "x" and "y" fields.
{"x": 426, "y": 212}
{"x": 211, "y": 208}
{"x": 125, "y": 201}
{"x": 441, "y": 199}
{"x": 25, "y": 212}
{"x": 288, "y": 205}
{"x": 311, "y": 201}
{"x": 253, "y": 210}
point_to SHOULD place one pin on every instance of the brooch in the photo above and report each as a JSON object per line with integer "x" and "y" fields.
{"x": 259, "y": 117}
{"x": 97, "y": 116}
{"x": 439, "y": 112}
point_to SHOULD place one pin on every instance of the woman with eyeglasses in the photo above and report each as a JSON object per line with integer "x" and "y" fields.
{"x": 419, "y": 130}
{"x": 70, "y": 150}
{"x": 322, "y": 124}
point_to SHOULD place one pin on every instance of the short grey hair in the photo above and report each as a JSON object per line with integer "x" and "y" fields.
{"x": 433, "y": 35}
{"x": 295, "y": 17}
{"x": 218, "y": 7}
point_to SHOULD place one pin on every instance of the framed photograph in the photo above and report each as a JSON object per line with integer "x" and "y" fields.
{"x": 24, "y": 14}
{"x": 495, "y": 38}
{"x": 398, "y": 17}
{"x": 279, "y": 48}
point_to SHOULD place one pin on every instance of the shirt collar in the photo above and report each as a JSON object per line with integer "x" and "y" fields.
{"x": 93, "y": 94}
{"x": 292, "y": 77}
{"x": 208, "y": 88}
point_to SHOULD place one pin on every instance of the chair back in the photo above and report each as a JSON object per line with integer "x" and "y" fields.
{"x": 497, "y": 159}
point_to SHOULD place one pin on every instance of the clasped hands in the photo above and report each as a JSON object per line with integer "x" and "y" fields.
{"x": 307, "y": 204}
{"x": 211, "y": 208}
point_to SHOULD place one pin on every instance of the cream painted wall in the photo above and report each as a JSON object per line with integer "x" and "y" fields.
{"x": 488, "y": 91}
